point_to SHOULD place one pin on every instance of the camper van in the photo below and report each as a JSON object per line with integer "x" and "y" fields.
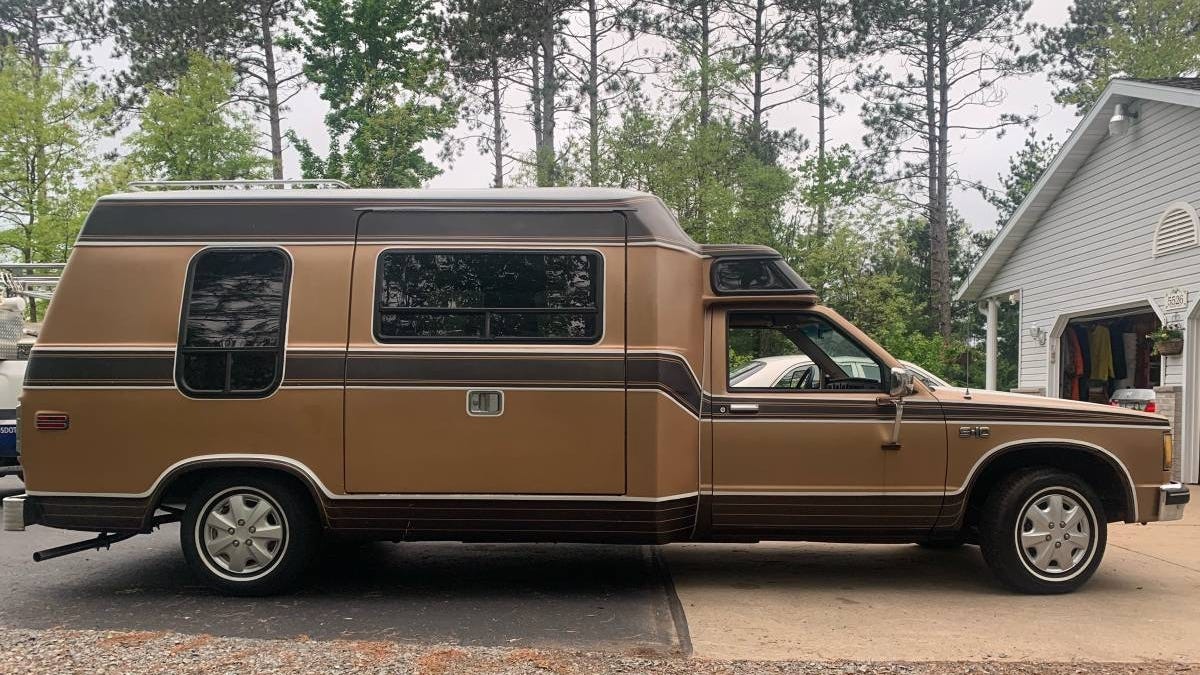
{"x": 524, "y": 365}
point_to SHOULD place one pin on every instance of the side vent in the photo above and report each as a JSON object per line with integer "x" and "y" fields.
{"x": 52, "y": 421}
{"x": 1176, "y": 229}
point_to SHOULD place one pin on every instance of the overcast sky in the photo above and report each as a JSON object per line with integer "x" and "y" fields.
{"x": 979, "y": 159}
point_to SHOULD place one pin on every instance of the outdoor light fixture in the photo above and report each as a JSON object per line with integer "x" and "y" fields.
{"x": 1038, "y": 334}
{"x": 1121, "y": 120}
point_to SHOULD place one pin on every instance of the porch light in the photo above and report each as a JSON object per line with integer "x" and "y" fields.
{"x": 1121, "y": 120}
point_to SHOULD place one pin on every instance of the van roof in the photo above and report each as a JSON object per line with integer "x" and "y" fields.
{"x": 554, "y": 195}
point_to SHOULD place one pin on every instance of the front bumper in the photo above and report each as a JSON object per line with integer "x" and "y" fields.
{"x": 1172, "y": 497}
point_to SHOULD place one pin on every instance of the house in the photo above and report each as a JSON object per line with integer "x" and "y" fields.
{"x": 1105, "y": 250}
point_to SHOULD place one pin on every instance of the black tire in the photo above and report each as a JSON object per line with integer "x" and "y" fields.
{"x": 1004, "y": 520}
{"x": 275, "y": 567}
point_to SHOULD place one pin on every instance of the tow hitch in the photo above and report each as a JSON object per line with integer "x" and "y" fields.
{"x": 107, "y": 539}
{"x": 102, "y": 541}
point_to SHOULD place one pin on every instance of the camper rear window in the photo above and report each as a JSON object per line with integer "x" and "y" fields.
{"x": 231, "y": 338}
{"x": 474, "y": 296}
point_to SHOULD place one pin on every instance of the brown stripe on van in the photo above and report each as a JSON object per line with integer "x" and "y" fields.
{"x": 668, "y": 373}
{"x": 795, "y": 515}
{"x": 559, "y": 519}
{"x": 510, "y": 224}
{"x": 100, "y": 368}
{"x": 1009, "y": 413}
{"x": 484, "y": 370}
{"x": 165, "y": 221}
{"x": 823, "y": 406}
{"x": 314, "y": 368}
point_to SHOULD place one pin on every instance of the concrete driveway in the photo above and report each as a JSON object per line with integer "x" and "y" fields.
{"x": 884, "y": 603}
{"x": 763, "y": 602}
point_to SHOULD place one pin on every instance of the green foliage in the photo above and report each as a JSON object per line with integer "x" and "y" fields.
{"x": 707, "y": 173}
{"x": 378, "y": 65}
{"x": 834, "y": 181}
{"x": 51, "y": 120}
{"x": 1106, "y": 39}
{"x": 1024, "y": 170}
{"x": 191, "y": 132}
{"x": 161, "y": 37}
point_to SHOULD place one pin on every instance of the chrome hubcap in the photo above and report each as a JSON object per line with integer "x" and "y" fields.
{"x": 243, "y": 532}
{"x": 1055, "y": 533}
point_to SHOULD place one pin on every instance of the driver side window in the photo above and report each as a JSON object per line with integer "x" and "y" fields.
{"x": 795, "y": 351}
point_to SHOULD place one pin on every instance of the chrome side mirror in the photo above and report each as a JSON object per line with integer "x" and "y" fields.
{"x": 900, "y": 382}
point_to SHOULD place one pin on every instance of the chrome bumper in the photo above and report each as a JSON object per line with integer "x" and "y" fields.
{"x": 14, "y": 513}
{"x": 1172, "y": 497}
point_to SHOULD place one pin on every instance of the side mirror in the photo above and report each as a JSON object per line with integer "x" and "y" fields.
{"x": 900, "y": 383}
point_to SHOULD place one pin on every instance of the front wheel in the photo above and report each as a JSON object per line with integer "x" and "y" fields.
{"x": 250, "y": 535}
{"x": 1043, "y": 532}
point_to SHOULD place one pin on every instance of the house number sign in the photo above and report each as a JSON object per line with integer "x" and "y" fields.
{"x": 1176, "y": 300}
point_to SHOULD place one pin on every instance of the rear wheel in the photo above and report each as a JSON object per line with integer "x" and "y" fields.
{"x": 1043, "y": 531}
{"x": 249, "y": 536}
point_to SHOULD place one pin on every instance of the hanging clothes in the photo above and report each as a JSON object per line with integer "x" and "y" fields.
{"x": 1074, "y": 365}
{"x": 1129, "y": 350}
{"x": 1081, "y": 335}
{"x": 1141, "y": 378}
{"x": 1118, "y": 352}
{"x": 1102, "y": 356}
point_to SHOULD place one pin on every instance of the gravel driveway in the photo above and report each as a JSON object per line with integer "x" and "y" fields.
{"x": 54, "y": 652}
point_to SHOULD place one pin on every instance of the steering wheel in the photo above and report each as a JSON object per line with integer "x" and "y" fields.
{"x": 851, "y": 383}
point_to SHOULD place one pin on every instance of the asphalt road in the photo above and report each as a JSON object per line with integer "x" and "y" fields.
{"x": 552, "y": 595}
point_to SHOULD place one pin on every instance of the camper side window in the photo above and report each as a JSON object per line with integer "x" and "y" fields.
{"x": 527, "y": 296}
{"x": 231, "y": 337}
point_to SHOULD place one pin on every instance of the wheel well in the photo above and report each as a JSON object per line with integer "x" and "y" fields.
{"x": 178, "y": 488}
{"x": 1096, "y": 470}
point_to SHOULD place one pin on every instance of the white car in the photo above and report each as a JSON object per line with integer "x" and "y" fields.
{"x": 797, "y": 371}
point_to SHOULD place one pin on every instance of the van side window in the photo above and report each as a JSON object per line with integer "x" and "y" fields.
{"x": 473, "y": 296}
{"x": 798, "y": 351}
{"x": 231, "y": 338}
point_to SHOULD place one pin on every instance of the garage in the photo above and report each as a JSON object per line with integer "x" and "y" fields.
{"x": 1103, "y": 258}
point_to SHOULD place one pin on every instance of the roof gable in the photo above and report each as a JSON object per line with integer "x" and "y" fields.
{"x": 1071, "y": 157}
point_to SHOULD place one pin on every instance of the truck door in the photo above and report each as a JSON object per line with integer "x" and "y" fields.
{"x": 491, "y": 365}
{"x": 800, "y": 435}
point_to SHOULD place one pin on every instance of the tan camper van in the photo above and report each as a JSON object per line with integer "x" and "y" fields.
{"x": 560, "y": 365}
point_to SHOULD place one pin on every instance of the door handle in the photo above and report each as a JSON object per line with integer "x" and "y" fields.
{"x": 485, "y": 403}
{"x": 744, "y": 408}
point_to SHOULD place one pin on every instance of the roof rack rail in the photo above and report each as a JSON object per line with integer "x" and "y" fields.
{"x": 30, "y": 284}
{"x": 248, "y": 183}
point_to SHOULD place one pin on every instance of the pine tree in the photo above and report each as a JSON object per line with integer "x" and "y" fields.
{"x": 485, "y": 58}
{"x": 189, "y": 132}
{"x": 158, "y": 37}
{"x": 1104, "y": 39}
{"x": 955, "y": 55}
{"x": 379, "y": 66}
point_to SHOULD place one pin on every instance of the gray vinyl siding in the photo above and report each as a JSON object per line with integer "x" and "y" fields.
{"x": 1093, "y": 247}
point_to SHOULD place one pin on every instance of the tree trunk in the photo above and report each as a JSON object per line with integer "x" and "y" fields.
{"x": 547, "y": 162}
{"x": 593, "y": 92}
{"x": 273, "y": 113}
{"x": 37, "y": 169}
{"x": 940, "y": 243}
{"x": 535, "y": 100}
{"x": 822, "y": 172}
{"x": 705, "y": 61}
{"x": 497, "y": 124}
{"x": 756, "y": 106}
{"x": 931, "y": 165}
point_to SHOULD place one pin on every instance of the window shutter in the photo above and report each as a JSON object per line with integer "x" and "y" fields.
{"x": 1176, "y": 229}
